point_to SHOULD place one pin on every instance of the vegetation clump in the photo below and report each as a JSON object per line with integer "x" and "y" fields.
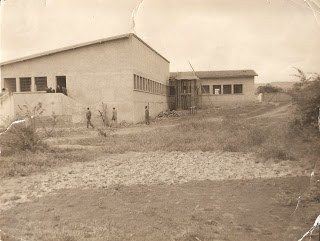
{"x": 306, "y": 97}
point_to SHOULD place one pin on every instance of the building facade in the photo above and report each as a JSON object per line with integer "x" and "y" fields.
{"x": 122, "y": 72}
{"x": 210, "y": 88}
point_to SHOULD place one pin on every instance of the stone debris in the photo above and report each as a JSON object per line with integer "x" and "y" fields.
{"x": 124, "y": 124}
{"x": 168, "y": 114}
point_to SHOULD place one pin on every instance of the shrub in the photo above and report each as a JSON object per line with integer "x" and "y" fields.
{"x": 268, "y": 88}
{"x": 306, "y": 97}
{"x": 23, "y": 135}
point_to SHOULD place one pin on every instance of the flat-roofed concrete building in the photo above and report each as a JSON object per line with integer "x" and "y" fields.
{"x": 122, "y": 71}
{"x": 210, "y": 88}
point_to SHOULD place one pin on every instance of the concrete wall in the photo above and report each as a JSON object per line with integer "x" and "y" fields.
{"x": 18, "y": 104}
{"x": 150, "y": 65}
{"x": 222, "y": 99}
{"x": 97, "y": 73}
{"x": 94, "y": 74}
{"x": 274, "y": 97}
{"x": 6, "y": 109}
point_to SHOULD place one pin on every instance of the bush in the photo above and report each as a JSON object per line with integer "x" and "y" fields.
{"x": 306, "y": 97}
{"x": 268, "y": 88}
{"x": 20, "y": 137}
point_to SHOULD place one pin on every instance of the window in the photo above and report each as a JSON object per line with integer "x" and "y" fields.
{"x": 237, "y": 89}
{"x": 10, "y": 84}
{"x": 186, "y": 86}
{"x": 149, "y": 86}
{"x": 41, "y": 83}
{"x": 135, "y": 82}
{"x": 216, "y": 89}
{"x": 205, "y": 89}
{"x": 25, "y": 84}
{"x": 141, "y": 83}
{"x": 227, "y": 89}
{"x": 144, "y": 84}
{"x": 172, "y": 90}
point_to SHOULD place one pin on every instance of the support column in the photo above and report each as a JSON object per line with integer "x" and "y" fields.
{"x": 33, "y": 84}
{"x": 18, "y": 85}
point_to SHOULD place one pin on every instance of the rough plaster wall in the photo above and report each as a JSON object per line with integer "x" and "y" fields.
{"x": 101, "y": 73}
{"x": 6, "y": 110}
{"x": 247, "y": 96}
{"x": 95, "y": 74}
{"x": 148, "y": 64}
{"x": 275, "y": 97}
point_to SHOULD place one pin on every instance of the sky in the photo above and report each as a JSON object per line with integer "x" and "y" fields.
{"x": 269, "y": 36}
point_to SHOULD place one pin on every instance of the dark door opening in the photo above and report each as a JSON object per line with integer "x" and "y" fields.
{"x": 61, "y": 84}
{"x": 61, "y": 81}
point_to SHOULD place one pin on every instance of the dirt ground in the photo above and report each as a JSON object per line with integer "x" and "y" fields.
{"x": 143, "y": 168}
{"x": 198, "y": 210}
{"x": 158, "y": 196}
{"x": 178, "y": 196}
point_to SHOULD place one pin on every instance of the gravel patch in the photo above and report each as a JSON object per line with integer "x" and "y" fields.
{"x": 142, "y": 168}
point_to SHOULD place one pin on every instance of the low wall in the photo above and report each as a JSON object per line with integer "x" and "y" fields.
{"x": 70, "y": 110}
{"x": 16, "y": 105}
{"x": 274, "y": 97}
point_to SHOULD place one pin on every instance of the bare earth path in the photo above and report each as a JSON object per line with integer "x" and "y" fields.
{"x": 142, "y": 168}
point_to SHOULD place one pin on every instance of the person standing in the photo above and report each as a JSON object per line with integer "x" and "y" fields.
{"x": 88, "y": 115}
{"x": 146, "y": 115}
{"x": 114, "y": 116}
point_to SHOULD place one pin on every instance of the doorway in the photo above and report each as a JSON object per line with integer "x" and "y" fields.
{"x": 61, "y": 81}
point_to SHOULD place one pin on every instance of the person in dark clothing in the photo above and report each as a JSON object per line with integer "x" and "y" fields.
{"x": 114, "y": 116}
{"x": 88, "y": 115}
{"x": 146, "y": 115}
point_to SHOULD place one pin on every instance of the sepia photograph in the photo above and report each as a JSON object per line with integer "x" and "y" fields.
{"x": 160, "y": 120}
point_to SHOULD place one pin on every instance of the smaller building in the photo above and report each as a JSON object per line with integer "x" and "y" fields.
{"x": 210, "y": 88}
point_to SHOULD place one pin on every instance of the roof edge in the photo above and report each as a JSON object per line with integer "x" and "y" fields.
{"x": 142, "y": 41}
{"x": 237, "y": 73}
{"x": 76, "y": 46}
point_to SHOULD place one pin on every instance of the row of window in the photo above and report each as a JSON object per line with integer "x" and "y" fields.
{"x": 222, "y": 89}
{"x": 25, "y": 84}
{"x": 147, "y": 85}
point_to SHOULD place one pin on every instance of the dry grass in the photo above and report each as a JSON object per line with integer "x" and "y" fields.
{"x": 269, "y": 138}
{"x": 24, "y": 163}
